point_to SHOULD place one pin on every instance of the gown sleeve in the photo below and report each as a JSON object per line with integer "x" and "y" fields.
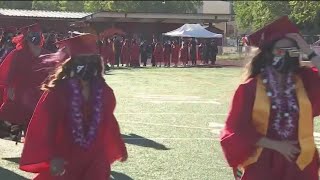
{"x": 115, "y": 146}
{"x": 39, "y": 146}
{"x": 238, "y": 137}
{"x": 311, "y": 82}
{"x": 6, "y": 67}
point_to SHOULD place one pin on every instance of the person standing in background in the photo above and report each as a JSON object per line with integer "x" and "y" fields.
{"x": 144, "y": 52}
{"x": 193, "y": 51}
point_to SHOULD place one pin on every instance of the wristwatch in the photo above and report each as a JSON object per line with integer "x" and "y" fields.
{"x": 312, "y": 55}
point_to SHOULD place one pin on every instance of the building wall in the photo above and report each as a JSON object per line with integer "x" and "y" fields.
{"x": 215, "y": 7}
{"x": 46, "y": 24}
{"x": 219, "y": 7}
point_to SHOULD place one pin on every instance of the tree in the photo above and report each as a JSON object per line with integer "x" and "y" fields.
{"x": 256, "y": 14}
{"x": 304, "y": 11}
{"x": 46, "y": 5}
{"x": 75, "y": 6}
{"x": 252, "y": 15}
{"x": 16, "y": 4}
{"x": 144, "y": 6}
{"x": 95, "y": 6}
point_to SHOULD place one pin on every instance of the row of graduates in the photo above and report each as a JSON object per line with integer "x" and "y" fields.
{"x": 65, "y": 106}
{"x": 130, "y": 53}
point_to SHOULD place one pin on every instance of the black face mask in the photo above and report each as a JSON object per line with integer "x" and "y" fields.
{"x": 85, "y": 71}
{"x": 285, "y": 64}
{"x": 34, "y": 38}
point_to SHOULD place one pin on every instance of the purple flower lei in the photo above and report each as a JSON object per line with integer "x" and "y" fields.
{"x": 76, "y": 115}
{"x": 285, "y": 105}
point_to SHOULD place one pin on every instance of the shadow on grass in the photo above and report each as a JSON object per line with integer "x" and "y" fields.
{"x": 14, "y": 160}
{"x": 142, "y": 141}
{"x": 9, "y": 175}
{"x": 119, "y": 176}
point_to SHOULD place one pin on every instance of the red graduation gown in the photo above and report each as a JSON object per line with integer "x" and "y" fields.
{"x": 166, "y": 53}
{"x": 125, "y": 54}
{"x": 175, "y": 53}
{"x": 17, "y": 71}
{"x": 184, "y": 54}
{"x": 25, "y": 73}
{"x": 105, "y": 53}
{"x": 108, "y": 54}
{"x": 135, "y": 54}
{"x": 7, "y": 51}
{"x": 111, "y": 54}
{"x": 239, "y": 136}
{"x": 49, "y": 136}
{"x": 158, "y": 54}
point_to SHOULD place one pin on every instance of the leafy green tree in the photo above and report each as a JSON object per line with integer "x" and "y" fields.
{"x": 252, "y": 15}
{"x": 144, "y": 6}
{"x": 16, "y": 4}
{"x": 75, "y": 6}
{"x": 255, "y": 14}
{"x": 46, "y": 5}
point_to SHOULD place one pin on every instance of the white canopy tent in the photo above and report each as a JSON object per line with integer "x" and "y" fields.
{"x": 192, "y": 30}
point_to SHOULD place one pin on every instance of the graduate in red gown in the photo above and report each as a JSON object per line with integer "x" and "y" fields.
{"x": 183, "y": 54}
{"x": 7, "y": 47}
{"x": 18, "y": 77}
{"x": 73, "y": 134}
{"x": 175, "y": 53}
{"x": 135, "y": 54}
{"x": 269, "y": 130}
{"x": 105, "y": 51}
{"x": 158, "y": 54}
{"x": 125, "y": 53}
{"x": 110, "y": 50}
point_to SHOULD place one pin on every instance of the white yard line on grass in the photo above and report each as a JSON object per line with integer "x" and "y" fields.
{"x": 202, "y": 114}
{"x": 185, "y": 102}
{"x": 167, "y": 96}
{"x": 168, "y": 138}
{"x": 176, "y": 99}
{"x": 168, "y": 125}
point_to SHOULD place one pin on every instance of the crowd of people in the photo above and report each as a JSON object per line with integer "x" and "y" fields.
{"x": 120, "y": 50}
{"x": 54, "y": 91}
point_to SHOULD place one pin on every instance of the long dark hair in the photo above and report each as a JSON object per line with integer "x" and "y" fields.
{"x": 262, "y": 58}
{"x": 64, "y": 70}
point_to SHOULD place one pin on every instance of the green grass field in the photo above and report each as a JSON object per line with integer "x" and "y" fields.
{"x": 164, "y": 115}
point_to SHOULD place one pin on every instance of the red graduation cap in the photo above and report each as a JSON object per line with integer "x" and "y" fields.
{"x": 10, "y": 29}
{"x": 275, "y": 30}
{"x": 85, "y": 44}
{"x": 31, "y": 28}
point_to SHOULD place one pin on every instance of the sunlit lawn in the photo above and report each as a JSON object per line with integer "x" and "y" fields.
{"x": 164, "y": 115}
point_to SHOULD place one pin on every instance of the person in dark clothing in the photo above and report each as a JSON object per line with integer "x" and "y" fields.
{"x": 144, "y": 52}
{"x": 207, "y": 51}
{"x": 200, "y": 52}
{"x": 7, "y": 45}
{"x": 214, "y": 52}
{"x": 166, "y": 53}
{"x": 153, "y": 45}
{"x": 193, "y": 51}
{"x": 49, "y": 43}
{"x": 117, "y": 50}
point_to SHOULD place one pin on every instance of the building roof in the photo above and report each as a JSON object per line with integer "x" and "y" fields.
{"x": 156, "y": 17}
{"x": 42, "y": 14}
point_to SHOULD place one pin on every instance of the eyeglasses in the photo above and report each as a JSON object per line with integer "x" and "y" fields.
{"x": 292, "y": 52}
